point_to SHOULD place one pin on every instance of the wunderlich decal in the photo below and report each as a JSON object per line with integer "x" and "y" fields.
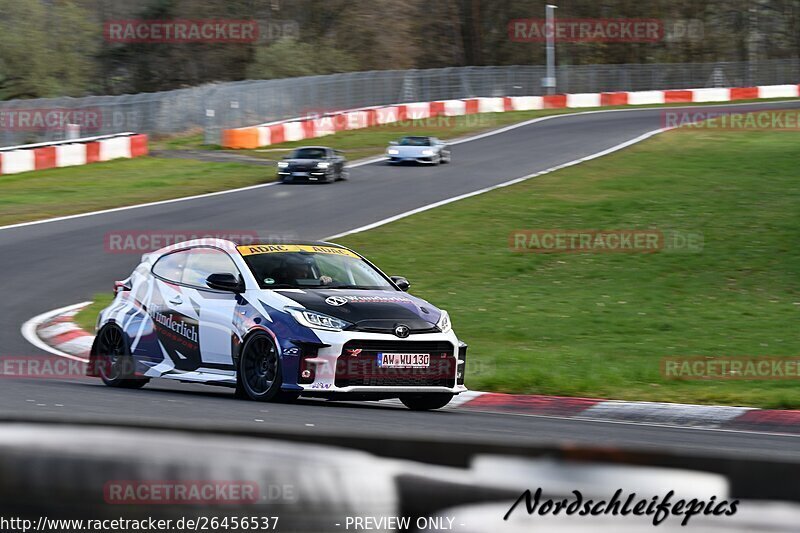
{"x": 178, "y": 326}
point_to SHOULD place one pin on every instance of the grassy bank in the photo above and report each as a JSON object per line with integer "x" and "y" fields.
{"x": 70, "y": 190}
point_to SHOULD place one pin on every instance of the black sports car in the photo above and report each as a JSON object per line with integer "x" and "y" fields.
{"x": 310, "y": 164}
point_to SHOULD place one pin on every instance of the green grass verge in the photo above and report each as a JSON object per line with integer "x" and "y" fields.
{"x": 70, "y": 190}
{"x": 598, "y": 325}
{"x": 86, "y": 318}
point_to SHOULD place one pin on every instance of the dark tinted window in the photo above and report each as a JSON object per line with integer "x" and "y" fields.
{"x": 415, "y": 141}
{"x": 299, "y": 270}
{"x": 309, "y": 153}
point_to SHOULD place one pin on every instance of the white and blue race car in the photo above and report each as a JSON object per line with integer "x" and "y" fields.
{"x": 277, "y": 321}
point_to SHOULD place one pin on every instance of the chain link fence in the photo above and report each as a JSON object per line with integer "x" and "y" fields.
{"x": 210, "y": 108}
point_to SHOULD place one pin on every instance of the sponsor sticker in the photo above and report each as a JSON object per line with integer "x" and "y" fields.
{"x": 341, "y": 300}
{"x": 286, "y": 248}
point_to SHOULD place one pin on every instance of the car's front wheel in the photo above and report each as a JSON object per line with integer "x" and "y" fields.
{"x": 113, "y": 358}
{"x": 426, "y": 402}
{"x": 259, "y": 370}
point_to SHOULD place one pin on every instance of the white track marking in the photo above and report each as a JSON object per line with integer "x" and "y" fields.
{"x": 372, "y": 160}
{"x": 28, "y": 330}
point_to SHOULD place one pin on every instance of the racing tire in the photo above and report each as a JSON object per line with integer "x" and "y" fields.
{"x": 343, "y": 175}
{"x": 447, "y": 159}
{"x": 114, "y": 361}
{"x": 259, "y": 371}
{"x": 426, "y": 402}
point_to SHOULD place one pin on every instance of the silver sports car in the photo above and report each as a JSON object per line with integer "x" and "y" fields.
{"x": 429, "y": 150}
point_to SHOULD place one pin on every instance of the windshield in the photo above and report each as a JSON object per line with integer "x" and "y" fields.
{"x": 415, "y": 141}
{"x": 308, "y": 153}
{"x": 292, "y": 266}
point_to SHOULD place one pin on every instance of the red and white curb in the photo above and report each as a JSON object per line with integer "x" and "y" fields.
{"x": 73, "y": 152}
{"x": 57, "y": 333}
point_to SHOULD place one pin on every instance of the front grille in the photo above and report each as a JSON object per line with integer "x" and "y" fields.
{"x": 362, "y": 369}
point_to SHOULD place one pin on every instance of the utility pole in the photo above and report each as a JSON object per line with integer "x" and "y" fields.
{"x": 550, "y": 80}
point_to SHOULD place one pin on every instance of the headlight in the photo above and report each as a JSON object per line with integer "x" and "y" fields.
{"x": 314, "y": 320}
{"x": 282, "y": 164}
{"x": 392, "y": 151}
{"x": 444, "y": 322}
{"x": 323, "y": 164}
{"x": 427, "y": 152}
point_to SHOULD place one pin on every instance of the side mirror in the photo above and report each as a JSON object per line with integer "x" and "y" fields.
{"x": 225, "y": 282}
{"x": 402, "y": 283}
{"x": 392, "y": 143}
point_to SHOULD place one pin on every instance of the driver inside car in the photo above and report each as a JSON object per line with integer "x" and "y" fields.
{"x": 298, "y": 269}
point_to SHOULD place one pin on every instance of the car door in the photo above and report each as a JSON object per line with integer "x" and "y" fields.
{"x": 174, "y": 316}
{"x": 214, "y": 308}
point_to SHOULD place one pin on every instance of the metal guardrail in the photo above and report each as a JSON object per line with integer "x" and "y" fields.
{"x": 213, "y": 107}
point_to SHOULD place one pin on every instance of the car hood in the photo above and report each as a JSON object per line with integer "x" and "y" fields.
{"x": 411, "y": 151}
{"x": 377, "y": 311}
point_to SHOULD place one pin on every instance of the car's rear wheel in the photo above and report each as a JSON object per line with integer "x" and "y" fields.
{"x": 115, "y": 363}
{"x": 426, "y": 402}
{"x": 259, "y": 371}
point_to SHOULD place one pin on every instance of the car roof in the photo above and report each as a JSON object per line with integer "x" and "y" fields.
{"x": 314, "y": 147}
{"x": 257, "y": 242}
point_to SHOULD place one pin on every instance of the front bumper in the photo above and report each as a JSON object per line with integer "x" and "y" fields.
{"x": 304, "y": 176}
{"x": 396, "y": 160}
{"x": 348, "y": 364}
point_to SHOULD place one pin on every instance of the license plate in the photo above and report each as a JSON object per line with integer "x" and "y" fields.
{"x": 300, "y": 174}
{"x": 404, "y": 360}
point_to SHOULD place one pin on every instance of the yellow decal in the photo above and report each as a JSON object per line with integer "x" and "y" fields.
{"x": 254, "y": 249}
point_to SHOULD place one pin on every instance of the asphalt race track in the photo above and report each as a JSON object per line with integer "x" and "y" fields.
{"x": 50, "y": 265}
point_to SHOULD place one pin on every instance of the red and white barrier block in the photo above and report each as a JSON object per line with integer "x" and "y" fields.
{"x": 25, "y": 158}
{"x": 312, "y": 127}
